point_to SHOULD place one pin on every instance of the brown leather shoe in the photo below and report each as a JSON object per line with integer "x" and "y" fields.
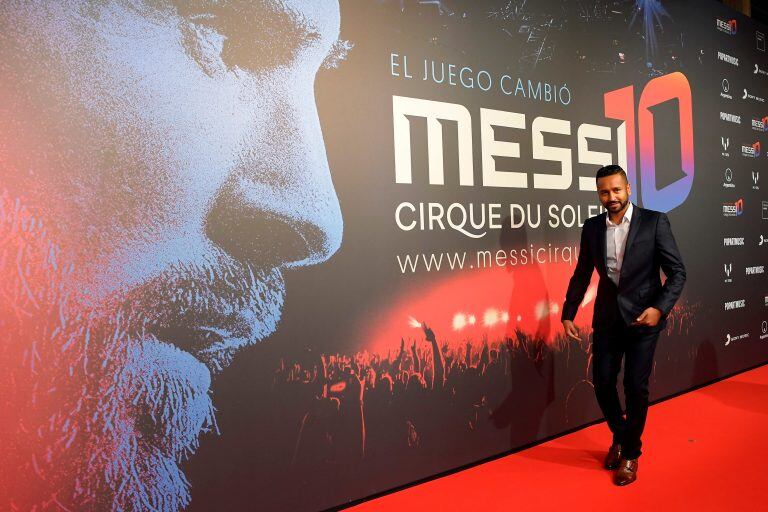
{"x": 612, "y": 457}
{"x": 627, "y": 472}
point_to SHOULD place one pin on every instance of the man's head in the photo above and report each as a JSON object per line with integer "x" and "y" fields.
{"x": 613, "y": 188}
{"x": 169, "y": 154}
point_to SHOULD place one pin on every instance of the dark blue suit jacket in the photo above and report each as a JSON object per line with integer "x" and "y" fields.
{"x": 650, "y": 246}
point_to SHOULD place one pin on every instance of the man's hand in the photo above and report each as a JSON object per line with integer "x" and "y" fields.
{"x": 571, "y": 330}
{"x": 649, "y": 317}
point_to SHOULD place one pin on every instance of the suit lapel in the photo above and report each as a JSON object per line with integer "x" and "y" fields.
{"x": 601, "y": 241}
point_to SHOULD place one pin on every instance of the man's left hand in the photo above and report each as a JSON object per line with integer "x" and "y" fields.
{"x": 649, "y": 317}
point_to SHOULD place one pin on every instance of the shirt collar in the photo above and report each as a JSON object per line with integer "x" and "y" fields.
{"x": 627, "y": 217}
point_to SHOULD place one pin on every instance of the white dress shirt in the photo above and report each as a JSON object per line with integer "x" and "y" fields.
{"x": 615, "y": 243}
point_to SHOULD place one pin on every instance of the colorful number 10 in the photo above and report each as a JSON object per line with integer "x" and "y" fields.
{"x": 619, "y": 104}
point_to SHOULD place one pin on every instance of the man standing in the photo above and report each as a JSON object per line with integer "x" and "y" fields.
{"x": 627, "y": 245}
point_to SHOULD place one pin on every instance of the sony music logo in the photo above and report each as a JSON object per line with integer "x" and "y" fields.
{"x": 736, "y": 304}
{"x": 729, "y": 338}
{"x": 759, "y": 71}
{"x": 760, "y": 269}
{"x": 730, "y": 59}
{"x": 731, "y": 118}
{"x": 749, "y": 96}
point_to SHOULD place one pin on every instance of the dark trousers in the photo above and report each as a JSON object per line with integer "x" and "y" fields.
{"x": 636, "y": 346}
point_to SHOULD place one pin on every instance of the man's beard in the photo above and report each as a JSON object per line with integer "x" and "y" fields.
{"x": 97, "y": 413}
{"x": 152, "y": 404}
{"x": 620, "y": 205}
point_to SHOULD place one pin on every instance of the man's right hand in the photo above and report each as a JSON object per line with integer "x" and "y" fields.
{"x": 571, "y": 330}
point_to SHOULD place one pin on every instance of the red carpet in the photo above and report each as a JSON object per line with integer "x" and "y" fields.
{"x": 704, "y": 450}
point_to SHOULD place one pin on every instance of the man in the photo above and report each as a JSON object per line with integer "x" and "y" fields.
{"x": 627, "y": 245}
{"x": 161, "y": 165}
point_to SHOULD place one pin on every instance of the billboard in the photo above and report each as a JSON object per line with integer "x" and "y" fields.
{"x": 287, "y": 255}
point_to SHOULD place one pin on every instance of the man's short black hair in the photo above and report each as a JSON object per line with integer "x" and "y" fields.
{"x": 610, "y": 170}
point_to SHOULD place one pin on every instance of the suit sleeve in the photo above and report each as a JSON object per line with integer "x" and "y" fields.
{"x": 579, "y": 282}
{"x": 671, "y": 264}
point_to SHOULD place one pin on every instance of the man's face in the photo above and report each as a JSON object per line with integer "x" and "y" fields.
{"x": 614, "y": 192}
{"x": 175, "y": 156}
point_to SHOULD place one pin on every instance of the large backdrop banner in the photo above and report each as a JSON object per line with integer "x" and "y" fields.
{"x": 283, "y": 255}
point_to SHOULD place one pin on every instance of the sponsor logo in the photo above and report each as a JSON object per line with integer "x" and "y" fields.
{"x": 764, "y": 210}
{"x": 733, "y": 209}
{"x": 728, "y": 179}
{"x": 760, "y": 124}
{"x": 726, "y": 87}
{"x": 725, "y": 142}
{"x": 726, "y": 26}
{"x": 764, "y": 329}
{"x": 755, "y": 179}
{"x": 727, "y": 268}
{"x": 760, "y": 40}
{"x": 730, "y": 59}
{"x": 763, "y": 240}
{"x": 731, "y": 241}
{"x": 751, "y": 271}
{"x": 766, "y": 301}
{"x": 749, "y": 96}
{"x": 752, "y": 151}
{"x": 730, "y": 118}
{"x": 736, "y": 304}
{"x": 729, "y": 338}
{"x": 759, "y": 71}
